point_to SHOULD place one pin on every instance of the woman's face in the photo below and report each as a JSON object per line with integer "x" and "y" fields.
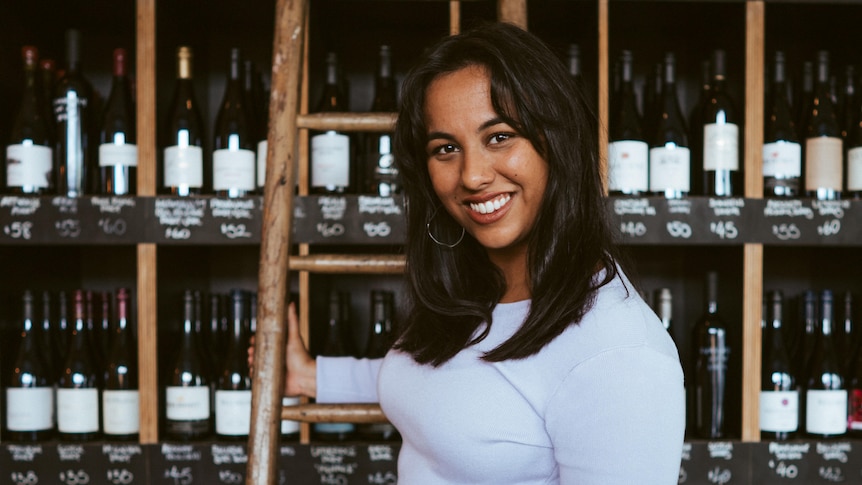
{"x": 489, "y": 178}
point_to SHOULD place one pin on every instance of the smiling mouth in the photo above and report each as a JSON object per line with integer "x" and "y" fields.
{"x": 491, "y": 206}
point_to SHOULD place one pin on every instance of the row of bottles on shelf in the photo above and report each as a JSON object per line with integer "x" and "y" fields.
{"x": 812, "y": 147}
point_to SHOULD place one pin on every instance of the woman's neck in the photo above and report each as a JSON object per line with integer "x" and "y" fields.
{"x": 513, "y": 264}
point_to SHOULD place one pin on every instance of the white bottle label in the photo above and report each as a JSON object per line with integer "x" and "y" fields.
{"x": 78, "y": 410}
{"x": 184, "y": 166}
{"x": 670, "y": 168}
{"x": 232, "y": 412}
{"x": 823, "y": 163}
{"x": 330, "y": 160}
{"x": 120, "y": 411}
{"x": 262, "y": 148}
{"x": 721, "y": 146}
{"x": 854, "y": 169}
{"x": 112, "y": 154}
{"x": 782, "y": 158}
{"x": 188, "y": 403}
{"x": 779, "y": 411}
{"x": 233, "y": 169}
{"x": 28, "y": 166}
{"x": 628, "y": 166}
{"x": 826, "y": 412}
{"x": 30, "y": 408}
{"x": 288, "y": 426}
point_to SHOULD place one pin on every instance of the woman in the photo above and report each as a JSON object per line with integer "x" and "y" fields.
{"x": 526, "y": 356}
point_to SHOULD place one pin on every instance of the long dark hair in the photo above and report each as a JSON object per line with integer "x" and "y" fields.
{"x": 452, "y": 291}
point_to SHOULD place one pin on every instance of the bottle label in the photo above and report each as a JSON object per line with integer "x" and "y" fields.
{"x": 333, "y": 428}
{"x": 330, "y": 160}
{"x": 628, "y": 166}
{"x": 823, "y": 163}
{"x": 262, "y": 148}
{"x": 782, "y": 159}
{"x": 30, "y": 408}
{"x": 721, "y": 146}
{"x": 232, "y": 412}
{"x": 670, "y": 168}
{"x": 233, "y": 169}
{"x": 779, "y": 411}
{"x": 854, "y": 418}
{"x": 188, "y": 403}
{"x": 184, "y": 166}
{"x": 78, "y": 410}
{"x": 29, "y": 166}
{"x": 120, "y": 412}
{"x": 826, "y": 412}
{"x": 288, "y": 426}
{"x": 854, "y": 169}
{"x": 112, "y": 154}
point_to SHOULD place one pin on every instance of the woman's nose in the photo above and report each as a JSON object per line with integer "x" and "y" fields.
{"x": 477, "y": 170}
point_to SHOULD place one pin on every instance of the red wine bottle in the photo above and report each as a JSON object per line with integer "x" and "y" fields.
{"x": 118, "y": 154}
{"x": 779, "y": 392}
{"x": 380, "y": 339}
{"x": 73, "y": 104}
{"x": 338, "y": 343}
{"x": 120, "y": 398}
{"x": 234, "y": 149}
{"x": 628, "y": 152}
{"x": 182, "y": 171}
{"x": 233, "y": 384}
{"x": 331, "y": 170}
{"x": 669, "y": 155}
{"x": 30, "y": 391}
{"x": 826, "y": 399}
{"x": 80, "y": 380}
{"x": 782, "y": 152}
{"x": 721, "y": 167}
{"x": 188, "y": 384}
{"x": 823, "y": 144}
{"x": 29, "y": 163}
{"x": 381, "y": 174}
{"x": 711, "y": 352}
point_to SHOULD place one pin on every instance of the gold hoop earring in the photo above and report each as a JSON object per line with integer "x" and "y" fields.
{"x": 437, "y": 241}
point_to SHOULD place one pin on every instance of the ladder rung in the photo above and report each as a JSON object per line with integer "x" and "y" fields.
{"x": 334, "y": 413}
{"x": 355, "y": 264}
{"x": 379, "y": 122}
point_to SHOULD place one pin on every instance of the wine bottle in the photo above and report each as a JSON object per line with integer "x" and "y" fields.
{"x": 695, "y": 132}
{"x": 779, "y": 394}
{"x": 849, "y": 101}
{"x": 187, "y": 392}
{"x": 782, "y": 152}
{"x": 29, "y": 163}
{"x": 652, "y": 93}
{"x": 721, "y": 168}
{"x": 669, "y": 155}
{"x": 805, "y": 98}
{"x": 102, "y": 322}
{"x": 854, "y": 149}
{"x": 233, "y": 386}
{"x": 120, "y": 398}
{"x": 380, "y": 338}
{"x": 47, "y": 82}
{"x": 80, "y": 380}
{"x": 118, "y": 154}
{"x": 711, "y": 353}
{"x": 826, "y": 397}
{"x": 337, "y": 344}
{"x": 381, "y": 173}
{"x": 30, "y": 390}
{"x": 50, "y": 340}
{"x": 73, "y": 103}
{"x": 259, "y": 115}
{"x": 183, "y": 167}
{"x": 664, "y": 308}
{"x": 823, "y": 144}
{"x": 64, "y": 329}
{"x": 849, "y": 332}
{"x": 233, "y": 155}
{"x": 628, "y": 152}
{"x": 854, "y": 376}
{"x": 331, "y": 171}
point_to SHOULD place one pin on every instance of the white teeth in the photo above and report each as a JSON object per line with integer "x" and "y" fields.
{"x": 491, "y": 205}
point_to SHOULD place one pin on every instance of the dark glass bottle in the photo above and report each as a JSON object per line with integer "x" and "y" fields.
{"x": 853, "y": 142}
{"x": 380, "y": 170}
{"x": 823, "y": 144}
{"x": 664, "y": 308}
{"x": 652, "y": 99}
{"x": 64, "y": 329}
{"x": 628, "y": 152}
{"x": 118, "y": 153}
{"x": 253, "y": 94}
{"x": 669, "y": 155}
{"x": 182, "y": 171}
{"x": 29, "y": 163}
{"x": 331, "y": 170}
{"x": 782, "y": 152}
{"x": 47, "y": 83}
{"x": 804, "y": 98}
{"x": 187, "y": 393}
{"x": 846, "y": 333}
{"x": 103, "y": 328}
{"x": 120, "y": 398}
{"x": 380, "y": 338}
{"x": 695, "y": 132}
{"x": 30, "y": 386}
{"x": 711, "y": 353}
{"x": 826, "y": 388}
{"x": 233, "y": 166}
{"x": 721, "y": 167}
{"x": 50, "y": 340}
{"x": 233, "y": 386}
{"x": 337, "y": 344}
{"x": 78, "y": 413}
{"x": 779, "y": 392}
{"x": 73, "y": 104}
{"x": 849, "y": 101}
{"x": 854, "y": 378}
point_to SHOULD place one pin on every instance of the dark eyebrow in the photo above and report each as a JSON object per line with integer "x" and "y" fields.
{"x": 440, "y": 134}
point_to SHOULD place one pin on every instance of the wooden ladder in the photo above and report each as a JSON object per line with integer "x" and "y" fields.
{"x": 286, "y": 120}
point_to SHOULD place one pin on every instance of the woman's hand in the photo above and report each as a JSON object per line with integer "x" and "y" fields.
{"x": 301, "y": 376}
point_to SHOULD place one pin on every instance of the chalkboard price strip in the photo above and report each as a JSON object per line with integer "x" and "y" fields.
{"x": 723, "y": 221}
{"x": 124, "y": 464}
{"x": 21, "y": 219}
{"x": 349, "y": 219}
{"x": 181, "y": 464}
{"x": 807, "y": 222}
{"x": 113, "y": 220}
{"x": 179, "y": 220}
{"x": 715, "y": 462}
{"x": 782, "y": 462}
{"x": 29, "y": 464}
{"x": 229, "y": 462}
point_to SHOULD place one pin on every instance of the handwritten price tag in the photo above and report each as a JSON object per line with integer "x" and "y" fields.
{"x": 786, "y": 231}
{"x": 234, "y": 231}
{"x": 679, "y": 229}
{"x": 719, "y": 476}
{"x": 784, "y": 470}
{"x": 112, "y": 227}
{"x": 180, "y": 476}
{"x": 120, "y": 476}
{"x": 178, "y": 233}
{"x": 25, "y": 478}
{"x": 829, "y": 228}
{"x": 69, "y": 228}
{"x": 633, "y": 229}
{"x": 72, "y": 477}
{"x": 724, "y": 229}
{"x": 19, "y": 230}
{"x": 330, "y": 229}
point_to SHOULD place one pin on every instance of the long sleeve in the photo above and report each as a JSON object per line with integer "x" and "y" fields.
{"x": 347, "y": 380}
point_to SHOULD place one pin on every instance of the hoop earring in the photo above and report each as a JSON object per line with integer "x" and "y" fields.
{"x": 437, "y": 241}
